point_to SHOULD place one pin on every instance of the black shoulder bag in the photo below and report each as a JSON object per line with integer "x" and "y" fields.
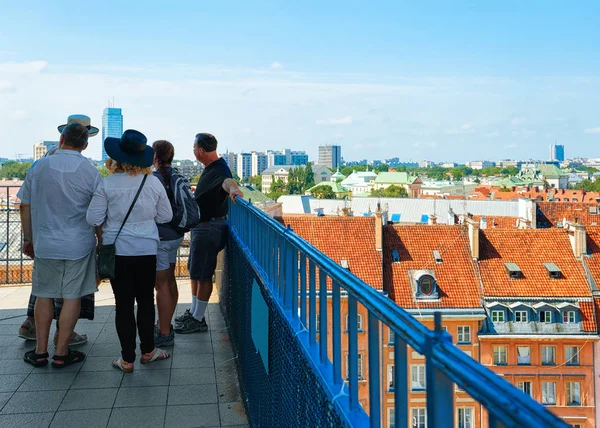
{"x": 107, "y": 253}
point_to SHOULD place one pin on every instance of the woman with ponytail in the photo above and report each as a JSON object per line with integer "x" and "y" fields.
{"x": 166, "y": 259}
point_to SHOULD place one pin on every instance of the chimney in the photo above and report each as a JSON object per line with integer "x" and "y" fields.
{"x": 432, "y": 219}
{"x": 578, "y": 236}
{"x": 379, "y": 231}
{"x": 345, "y": 212}
{"x": 451, "y": 217}
{"x": 483, "y": 223}
{"x": 523, "y": 223}
{"x": 473, "y": 230}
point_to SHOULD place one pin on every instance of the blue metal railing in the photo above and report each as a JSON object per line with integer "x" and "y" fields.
{"x": 294, "y": 272}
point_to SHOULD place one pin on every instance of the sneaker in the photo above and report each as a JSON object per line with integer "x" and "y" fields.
{"x": 27, "y": 330}
{"x": 182, "y": 318}
{"x": 192, "y": 325}
{"x": 164, "y": 339}
{"x": 76, "y": 339}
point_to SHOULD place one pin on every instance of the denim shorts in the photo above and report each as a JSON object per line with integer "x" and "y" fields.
{"x": 207, "y": 240}
{"x": 167, "y": 253}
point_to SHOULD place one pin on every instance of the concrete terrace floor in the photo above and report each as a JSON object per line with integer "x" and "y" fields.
{"x": 196, "y": 387}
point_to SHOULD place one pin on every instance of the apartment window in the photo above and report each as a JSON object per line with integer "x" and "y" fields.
{"x": 390, "y": 377}
{"x": 569, "y": 317}
{"x": 464, "y": 334}
{"x": 549, "y": 393}
{"x": 525, "y": 387}
{"x": 548, "y": 355}
{"x": 498, "y": 316}
{"x": 419, "y": 417}
{"x": 520, "y": 316}
{"x": 572, "y": 355}
{"x": 465, "y": 417}
{"x": 500, "y": 355}
{"x": 523, "y": 355}
{"x": 391, "y": 337}
{"x": 417, "y": 377}
{"x": 358, "y": 322}
{"x": 391, "y": 418}
{"x": 573, "y": 394}
{"x": 360, "y": 366}
{"x": 546, "y": 317}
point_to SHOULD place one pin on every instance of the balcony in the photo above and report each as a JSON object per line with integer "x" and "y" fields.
{"x": 290, "y": 372}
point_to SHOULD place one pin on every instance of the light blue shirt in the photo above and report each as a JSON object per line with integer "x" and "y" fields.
{"x": 59, "y": 190}
{"x": 110, "y": 204}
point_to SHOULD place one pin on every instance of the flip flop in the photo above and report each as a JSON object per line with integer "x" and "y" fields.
{"x": 118, "y": 364}
{"x": 36, "y": 360}
{"x": 71, "y": 358}
{"x": 159, "y": 354}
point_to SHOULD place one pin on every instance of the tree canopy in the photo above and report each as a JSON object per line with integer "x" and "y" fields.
{"x": 12, "y": 169}
{"x": 323, "y": 192}
{"x": 390, "y": 192}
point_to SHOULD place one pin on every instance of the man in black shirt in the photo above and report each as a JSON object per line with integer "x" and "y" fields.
{"x": 210, "y": 236}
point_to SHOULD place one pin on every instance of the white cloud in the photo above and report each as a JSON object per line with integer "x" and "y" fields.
{"x": 592, "y": 130}
{"x": 23, "y": 67}
{"x": 466, "y": 128}
{"x": 20, "y": 114}
{"x": 339, "y": 121}
{"x": 426, "y": 144}
{"x": 276, "y": 66}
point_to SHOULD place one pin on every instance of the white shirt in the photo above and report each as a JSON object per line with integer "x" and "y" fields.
{"x": 110, "y": 204}
{"x": 59, "y": 189}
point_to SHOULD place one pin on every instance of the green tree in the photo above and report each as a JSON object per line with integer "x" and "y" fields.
{"x": 278, "y": 188}
{"x": 104, "y": 171}
{"x": 390, "y": 192}
{"x": 323, "y": 192}
{"x": 12, "y": 169}
{"x": 382, "y": 168}
{"x": 256, "y": 182}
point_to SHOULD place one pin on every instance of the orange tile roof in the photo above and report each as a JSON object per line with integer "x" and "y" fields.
{"x": 549, "y": 213}
{"x": 593, "y": 247}
{"x": 498, "y": 222}
{"x": 456, "y": 277}
{"x": 350, "y": 238}
{"x": 588, "y": 316}
{"x": 529, "y": 249}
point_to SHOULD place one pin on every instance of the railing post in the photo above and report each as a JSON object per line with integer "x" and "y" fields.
{"x": 374, "y": 372}
{"x": 352, "y": 360}
{"x": 400, "y": 382}
{"x": 294, "y": 282}
{"x": 303, "y": 301}
{"x": 312, "y": 303}
{"x": 440, "y": 393}
{"x": 323, "y": 316}
{"x": 337, "y": 336}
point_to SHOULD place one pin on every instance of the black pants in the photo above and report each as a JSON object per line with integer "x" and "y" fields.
{"x": 134, "y": 281}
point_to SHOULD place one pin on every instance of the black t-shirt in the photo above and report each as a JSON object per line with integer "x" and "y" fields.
{"x": 209, "y": 194}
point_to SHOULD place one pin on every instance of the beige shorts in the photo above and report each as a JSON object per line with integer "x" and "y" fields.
{"x": 64, "y": 279}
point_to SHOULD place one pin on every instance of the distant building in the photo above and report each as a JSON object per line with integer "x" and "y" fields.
{"x": 330, "y": 156}
{"x": 480, "y": 164}
{"x": 507, "y": 163}
{"x": 356, "y": 163}
{"x": 286, "y": 157}
{"x": 426, "y": 164}
{"x": 259, "y": 163}
{"x": 244, "y": 165}
{"x": 112, "y": 126}
{"x": 231, "y": 161}
{"x": 189, "y": 169}
{"x": 42, "y": 147}
{"x": 410, "y": 182}
{"x": 282, "y": 172}
{"x": 449, "y": 165}
{"x": 557, "y": 152}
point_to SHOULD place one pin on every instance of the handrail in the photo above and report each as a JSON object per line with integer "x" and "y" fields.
{"x": 504, "y": 402}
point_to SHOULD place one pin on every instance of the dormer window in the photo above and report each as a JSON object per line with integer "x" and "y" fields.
{"x": 395, "y": 256}
{"x": 498, "y": 316}
{"x": 553, "y": 270}
{"x": 514, "y": 271}
{"x": 545, "y": 317}
{"x": 569, "y": 317}
{"x": 521, "y": 316}
{"x": 426, "y": 285}
{"x": 437, "y": 257}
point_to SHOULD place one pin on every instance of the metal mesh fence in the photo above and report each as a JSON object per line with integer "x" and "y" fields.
{"x": 15, "y": 268}
{"x": 290, "y": 395}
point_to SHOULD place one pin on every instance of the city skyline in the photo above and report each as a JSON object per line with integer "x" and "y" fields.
{"x": 446, "y": 83}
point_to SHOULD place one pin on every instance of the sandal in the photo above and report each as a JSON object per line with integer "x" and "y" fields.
{"x": 119, "y": 364}
{"x": 158, "y": 355}
{"x": 71, "y": 358}
{"x": 36, "y": 360}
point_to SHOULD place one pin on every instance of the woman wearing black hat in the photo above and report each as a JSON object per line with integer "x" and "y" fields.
{"x": 129, "y": 203}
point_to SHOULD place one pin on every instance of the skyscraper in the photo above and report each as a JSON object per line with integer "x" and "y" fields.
{"x": 330, "y": 156}
{"x": 557, "y": 152}
{"x": 244, "y": 165}
{"x": 112, "y": 126}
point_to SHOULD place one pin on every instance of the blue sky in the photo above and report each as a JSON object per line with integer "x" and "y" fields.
{"x": 436, "y": 80}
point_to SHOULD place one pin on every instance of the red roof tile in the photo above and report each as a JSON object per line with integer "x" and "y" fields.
{"x": 529, "y": 249}
{"x": 588, "y": 318}
{"x": 456, "y": 277}
{"x": 550, "y": 213}
{"x": 498, "y": 222}
{"x": 349, "y": 238}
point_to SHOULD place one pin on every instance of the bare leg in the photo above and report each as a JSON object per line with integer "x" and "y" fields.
{"x": 44, "y": 311}
{"x": 68, "y": 318}
{"x": 165, "y": 299}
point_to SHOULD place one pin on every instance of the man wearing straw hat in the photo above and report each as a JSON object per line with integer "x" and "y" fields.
{"x": 27, "y": 330}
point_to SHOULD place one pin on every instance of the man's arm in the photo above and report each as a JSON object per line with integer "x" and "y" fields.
{"x": 231, "y": 187}
{"x": 25, "y": 212}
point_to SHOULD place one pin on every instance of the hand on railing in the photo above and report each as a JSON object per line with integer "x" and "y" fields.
{"x": 235, "y": 193}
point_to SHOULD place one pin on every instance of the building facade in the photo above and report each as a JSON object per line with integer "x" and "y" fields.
{"x": 244, "y": 165}
{"x": 260, "y": 162}
{"x": 231, "y": 161}
{"x": 112, "y": 126}
{"x": 42, "y": 147}
{"x": 189, "y": 169}
{"x": 557, "y": 153}
{"x": 330, "y": 156}
{"x": 282, "y": 172}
